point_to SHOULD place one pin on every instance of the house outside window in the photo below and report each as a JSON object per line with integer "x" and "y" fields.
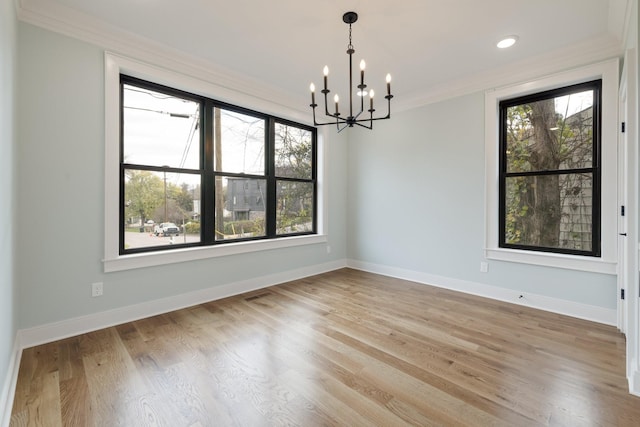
{"x": 217, "y": 172}
{"x": 597, "y": 176}
{"x": 550, "y": 170}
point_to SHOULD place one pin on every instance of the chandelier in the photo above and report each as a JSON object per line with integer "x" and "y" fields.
{"x": 360, "y": 118}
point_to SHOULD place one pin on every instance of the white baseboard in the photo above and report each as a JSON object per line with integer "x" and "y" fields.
{"x": 555, "y": 305}
{"x": 59, "y": 330}
{"x": 67, "y": 328}
{"x": 634, "y": 379}
{"x": 634, "y": 384}
{"x": 9, "y": 386}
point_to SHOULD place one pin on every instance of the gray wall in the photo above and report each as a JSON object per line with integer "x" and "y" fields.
{"x": 414, "y": 185}
{"x": 61, "y": 196}
{"x": 416, "y": 202}
{"x": 8, "y": 311}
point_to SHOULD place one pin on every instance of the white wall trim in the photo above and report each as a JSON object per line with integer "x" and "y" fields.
{"x": 54, "y": 16}
{"x": 619, "y": 19}
{"x": 634, "y": 380}
{"x": 635, "y": 388}
{"x": 43, "y": 334}
{"x": 70, "y": 22}
{"x": 150, "y": 259}
{"x": 67, "y": 328}
{"x": 606, "y": 264}
{"x": 9, "y": 387}
{"x": 584, "y": 53}
{"x": 541, "y": 302}
{"x": 114, "y": 65}
{"x": 547, "y": 259}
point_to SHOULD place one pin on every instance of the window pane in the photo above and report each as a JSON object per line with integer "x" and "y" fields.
{"x": 551, "y": 134}
{"x": 160, "y": 129}
{"x": 294, "y": 155}
{"x": 294, "y": 209}
{"x": 552, "y": 211}
{"x": 240, "y": 208}
{"x": 239, "y": 142}
{"x": 160, "y": 207}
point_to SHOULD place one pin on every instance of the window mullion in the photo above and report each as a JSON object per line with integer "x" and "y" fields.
{"x": 207, "y": 220}
{"x": 270, "y": 171}
{"x": 551, "y": 172}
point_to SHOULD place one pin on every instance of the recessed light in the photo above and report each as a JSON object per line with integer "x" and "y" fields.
{"x": 507, "y": 42}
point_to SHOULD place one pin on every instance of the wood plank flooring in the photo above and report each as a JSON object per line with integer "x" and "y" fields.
{"x": 346, "y": 348}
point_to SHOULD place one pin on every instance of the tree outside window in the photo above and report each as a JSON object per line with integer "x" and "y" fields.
{"x": 196, "y": 172}
{"x": 549, "y": 171}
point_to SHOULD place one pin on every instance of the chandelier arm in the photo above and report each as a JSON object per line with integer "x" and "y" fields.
{"x": 350, "y": 52}
{"x": 340, "y": 129}
{"x": 355, "y": 118}
{"x": 316, "y": 123}
{"x": 342, "y": 120}
{"x": 362, "y": 110}
{"x": 326, "y": 104}
{"x": 333, "y": 116}
{"x": 339, "y": 120}
{"x": 388, "y": 98}
{"x": 374, "y": 119}
{"x": 370, "y": 119}
{"x": 359, "y": 123}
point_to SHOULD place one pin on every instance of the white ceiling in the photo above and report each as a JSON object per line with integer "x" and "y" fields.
{"x": 432, "y": 48}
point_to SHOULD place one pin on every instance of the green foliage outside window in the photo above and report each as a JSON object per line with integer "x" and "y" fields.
{"x": 548, "y": 170}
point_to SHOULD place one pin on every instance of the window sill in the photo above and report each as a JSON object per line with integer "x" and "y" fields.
{"x": 129, "y": 262}
{"x": 545, "y": 259}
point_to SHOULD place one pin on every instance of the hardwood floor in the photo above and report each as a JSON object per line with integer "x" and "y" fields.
{"x": 345, "y": 348}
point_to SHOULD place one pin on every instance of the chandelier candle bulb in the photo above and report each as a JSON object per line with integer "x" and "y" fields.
{"x": 362, "y": 66}
{"x": 336, "y": 99}
{"x": 371, "y": 100}
{"x": 325, "y": 71}
{"x": 312, "y": 87}
{"x": 388, "y": 84}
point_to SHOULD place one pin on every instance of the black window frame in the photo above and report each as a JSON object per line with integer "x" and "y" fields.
{"x": 595, "y": 169}
{"x": 208, "y": 173}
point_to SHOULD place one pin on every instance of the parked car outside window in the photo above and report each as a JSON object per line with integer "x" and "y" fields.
{"x": 166, "y": 229}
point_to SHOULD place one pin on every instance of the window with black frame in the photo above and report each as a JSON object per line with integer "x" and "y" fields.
{"x": 550, "y": 171}
{"x": 197, "y": 172}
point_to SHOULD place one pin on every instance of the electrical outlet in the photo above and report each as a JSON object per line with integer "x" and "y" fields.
{"x": 96, "y": 289}
{"x": 484, "y": 267}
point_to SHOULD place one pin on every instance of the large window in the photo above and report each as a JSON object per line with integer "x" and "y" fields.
{"x": 577, "y": 170}
{"x": 197, "y": 172}
{"x": 550, "y": 170}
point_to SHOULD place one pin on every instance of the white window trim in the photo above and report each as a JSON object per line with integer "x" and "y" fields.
{"x": 113, "y": 261}
{"x": 606, "y": 263}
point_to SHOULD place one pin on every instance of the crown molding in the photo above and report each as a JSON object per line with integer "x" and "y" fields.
{"x": 55, "y": 17}
{"x": 61, "y": 19}
{"x": 619, "y": 20}
{"x": 584, "y": 53}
